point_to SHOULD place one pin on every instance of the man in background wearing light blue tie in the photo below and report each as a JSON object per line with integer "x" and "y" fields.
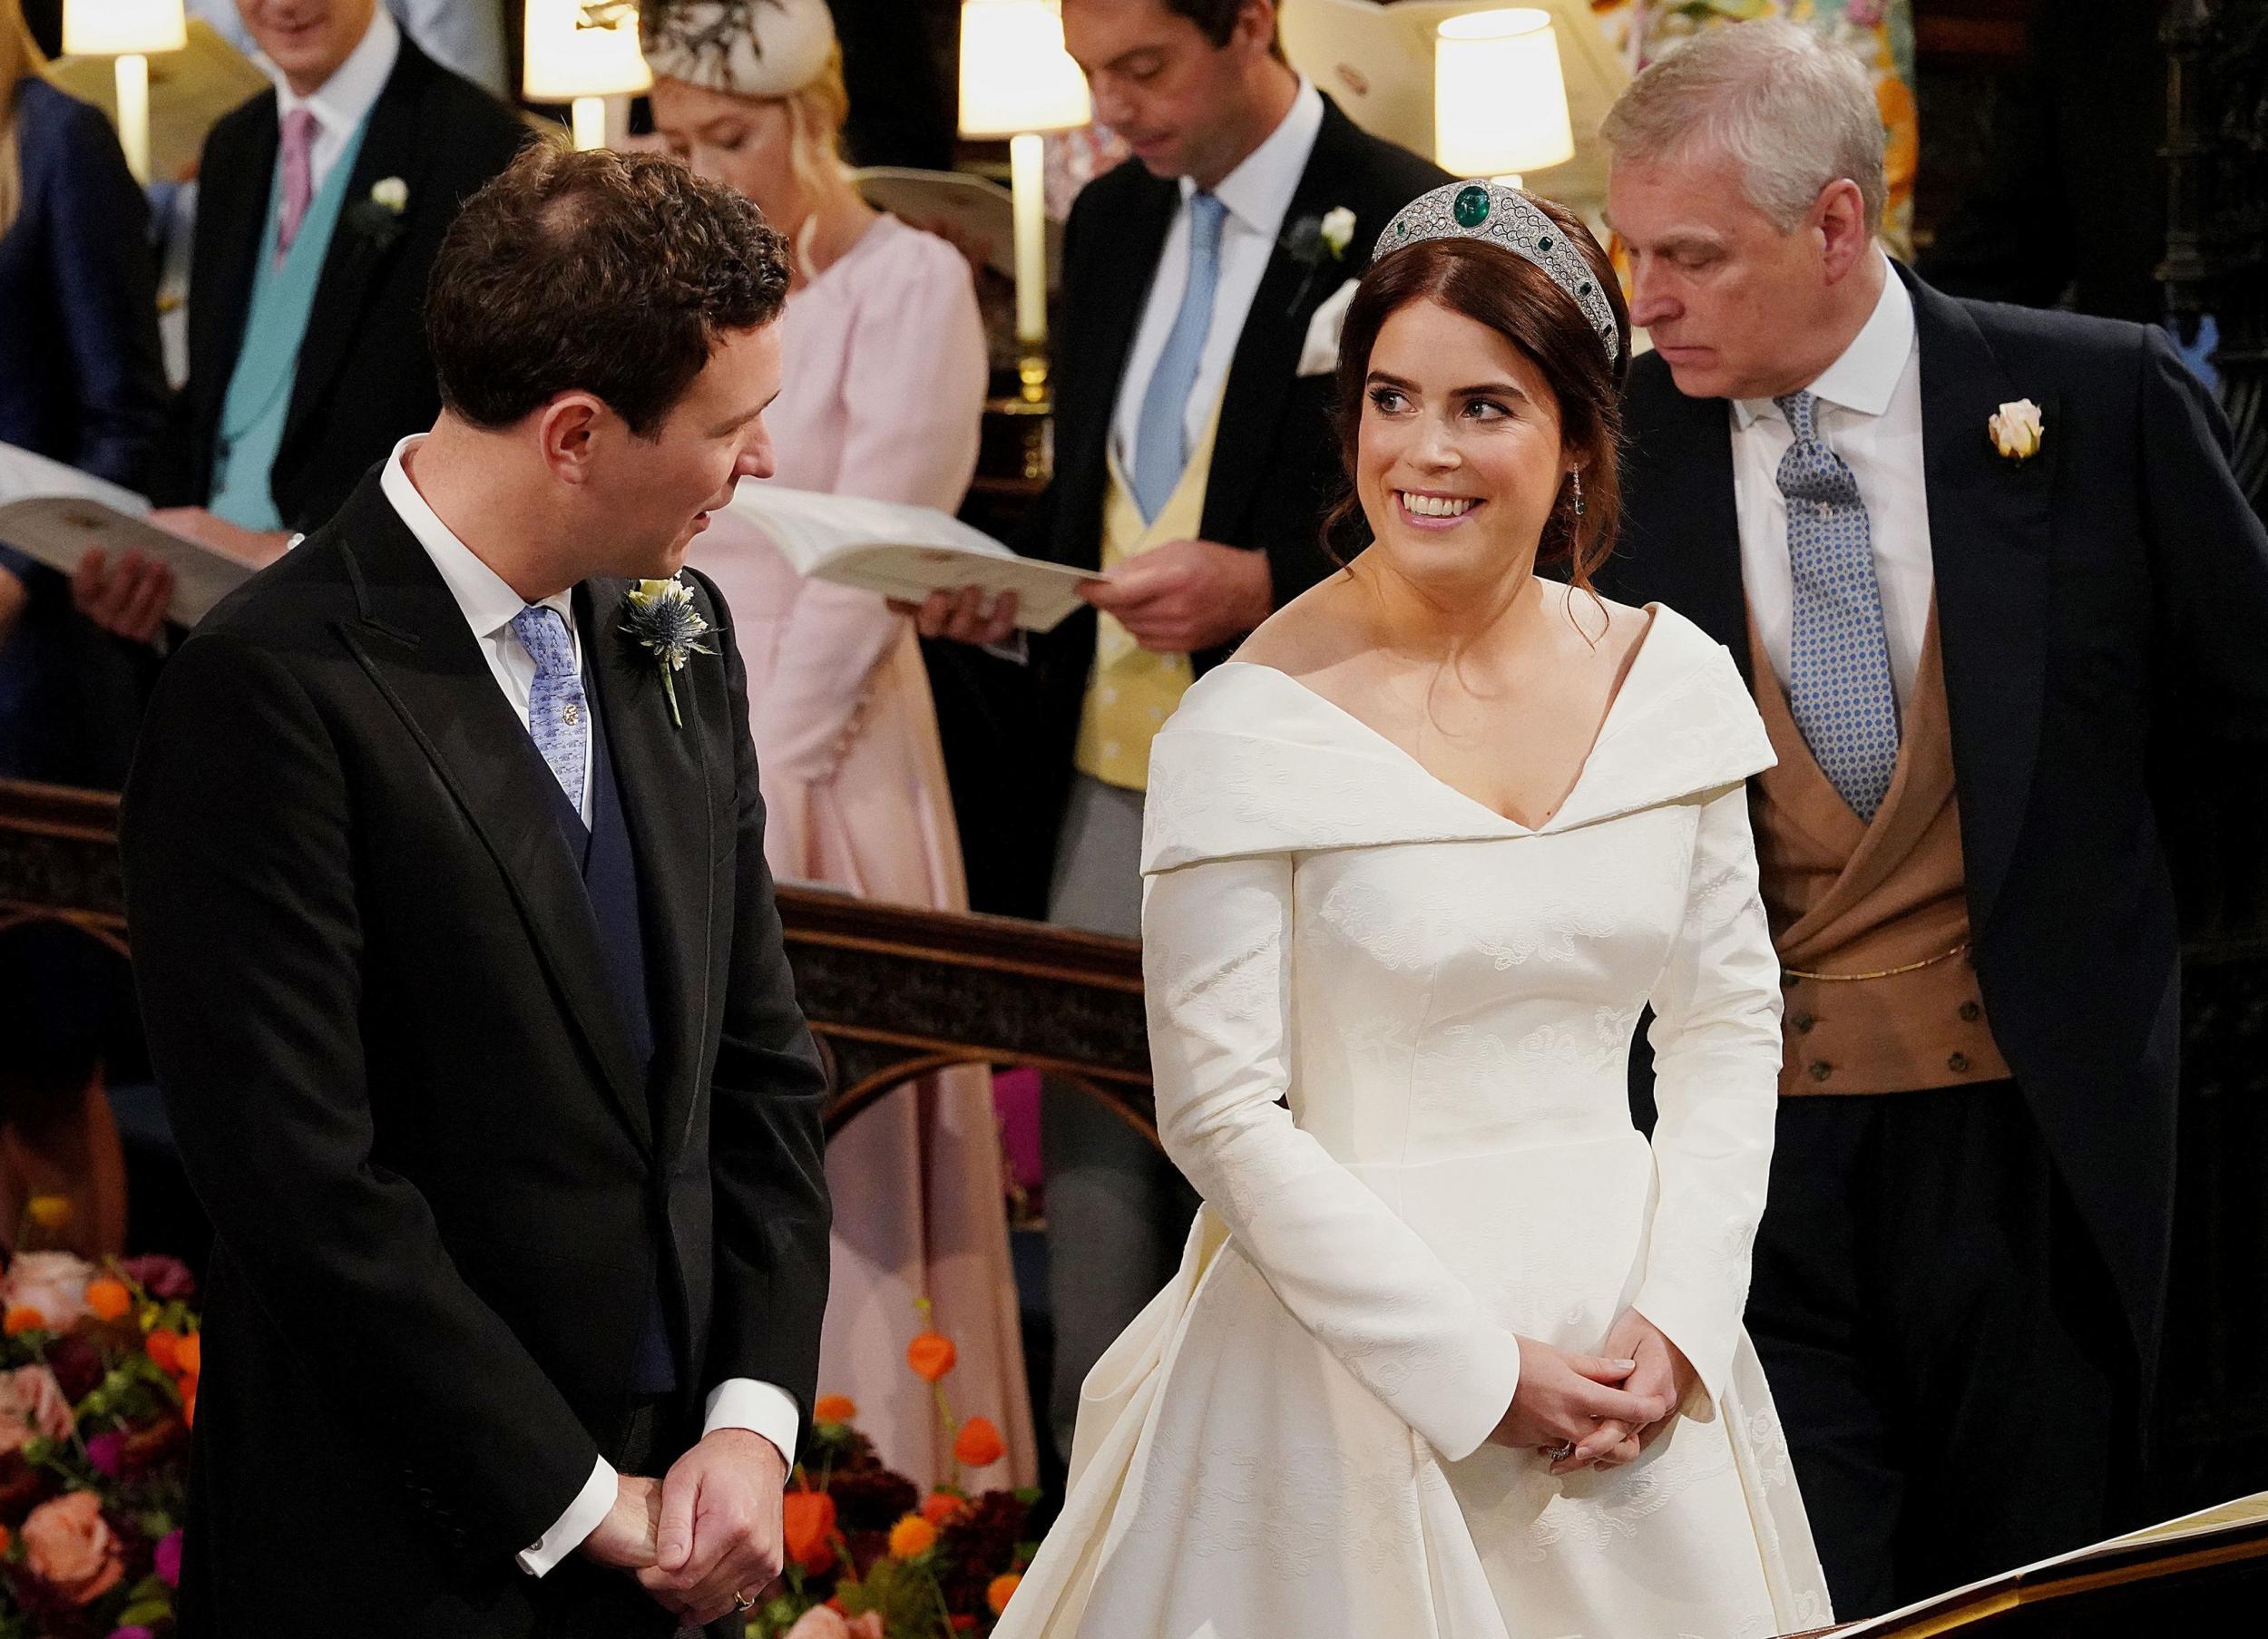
{"x": 1194, "y": 461}
{"x": 1986, "y": 569}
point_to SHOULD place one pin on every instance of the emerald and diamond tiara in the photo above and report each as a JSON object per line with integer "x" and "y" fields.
{"x": 1497, "y": 215}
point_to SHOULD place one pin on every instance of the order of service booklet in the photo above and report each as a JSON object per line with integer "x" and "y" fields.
{"x": 57, "y": 514}
{"x": 904, "y": 552}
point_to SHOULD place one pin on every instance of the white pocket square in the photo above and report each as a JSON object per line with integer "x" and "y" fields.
{"x": 1319, "y": 354}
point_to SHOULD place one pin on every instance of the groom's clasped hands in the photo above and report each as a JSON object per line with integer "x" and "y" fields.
{"x": 708, "y": 1530}
{"x": 1601, "y": 1410}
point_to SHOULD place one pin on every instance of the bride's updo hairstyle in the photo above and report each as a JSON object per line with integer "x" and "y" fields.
{"x": 1525, "y": 304}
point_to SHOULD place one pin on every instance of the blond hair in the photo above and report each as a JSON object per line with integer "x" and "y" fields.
{"x": 1791, "y": 111}
{"x": 815, "y": 116}
{"x": 21, "y": 59}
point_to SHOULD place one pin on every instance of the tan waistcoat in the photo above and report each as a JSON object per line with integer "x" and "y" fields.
{"x": 1131, "y": 691}
{"x": 1871, "y": 921}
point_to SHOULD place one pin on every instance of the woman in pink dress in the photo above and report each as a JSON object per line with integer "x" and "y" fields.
{"x": 882, "y": 394}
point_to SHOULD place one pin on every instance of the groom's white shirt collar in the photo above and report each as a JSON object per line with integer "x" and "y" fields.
{"x": 488, "y": 602}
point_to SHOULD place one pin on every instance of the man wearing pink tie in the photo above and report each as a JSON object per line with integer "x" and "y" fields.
{"x": 322, "y": 203}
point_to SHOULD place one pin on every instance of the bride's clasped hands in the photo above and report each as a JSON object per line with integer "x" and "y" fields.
{"x": 1582, "y": 1411}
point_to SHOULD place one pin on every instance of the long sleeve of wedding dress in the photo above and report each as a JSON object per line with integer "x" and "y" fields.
{"x": 1716, "y": 1062}
{"x": 1217, "y": 965}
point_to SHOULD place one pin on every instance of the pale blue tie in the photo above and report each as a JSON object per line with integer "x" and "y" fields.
{"x": 1162, "y": 439}
{"x": 558, "y": 715}
{"x": 1839, "y": 681}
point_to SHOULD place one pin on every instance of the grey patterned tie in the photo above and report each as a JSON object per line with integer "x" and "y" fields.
{"x": 1839, "y": 681}
{"x": 558, "y": 715}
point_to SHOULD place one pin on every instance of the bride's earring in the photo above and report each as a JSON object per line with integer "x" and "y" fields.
{"x": 1576, "y": 478}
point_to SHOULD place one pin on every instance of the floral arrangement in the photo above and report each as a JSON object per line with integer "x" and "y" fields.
{"x": 98, "y": 1388}
{"x": 870, "y": 1557}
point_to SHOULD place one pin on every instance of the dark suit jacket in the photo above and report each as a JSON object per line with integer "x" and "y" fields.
{"x": 80, "y": 382}
{"x": 380, "y": 1012}
{"x": 365, "y": 377}
{"x": 1276, "y": 462}
{"x": 2094, "y": 604}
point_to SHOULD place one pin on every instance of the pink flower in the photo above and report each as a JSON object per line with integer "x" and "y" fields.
{"x": 107, "y": 1452}
{"x": 68, "y": 1545}
{"x": 54, "y": 1282}
{"x": 169, "y": 1559}
{"x": 136, "y": 1631}
{"x": 161, "y": 1277}
{"x": 1863, "y": 13}
{"x": 31, "y": 1403}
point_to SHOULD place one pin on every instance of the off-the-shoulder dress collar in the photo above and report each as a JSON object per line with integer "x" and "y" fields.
{"x": 1256, "y": 762}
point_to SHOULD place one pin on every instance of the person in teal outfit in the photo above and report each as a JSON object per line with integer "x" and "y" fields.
{"x": 323, "y": 202}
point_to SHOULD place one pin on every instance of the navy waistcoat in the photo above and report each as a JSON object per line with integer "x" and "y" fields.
{"x": 610, "y": 876}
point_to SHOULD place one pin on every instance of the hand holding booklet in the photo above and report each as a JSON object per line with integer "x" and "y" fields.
{"x": 57, "y": 514}
{"x": 904, "y": 552}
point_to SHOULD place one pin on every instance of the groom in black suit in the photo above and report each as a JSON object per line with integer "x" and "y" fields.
{"x": 464, "y": 983}
{"x": 1986, "y": 569}
{"x": 1200, "y": 279}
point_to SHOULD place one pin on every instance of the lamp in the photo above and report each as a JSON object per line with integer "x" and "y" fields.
{"x": 128, "y": 30}
{"x": 1016, "y": 82}
{"x": 1500, "y": 101}
{"x": 582, "y": 52}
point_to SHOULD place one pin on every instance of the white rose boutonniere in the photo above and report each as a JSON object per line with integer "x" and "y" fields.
{"x": 390, "y": 193}
{"x": 2016, "y": 430}
{"x": 1337, "y": 231}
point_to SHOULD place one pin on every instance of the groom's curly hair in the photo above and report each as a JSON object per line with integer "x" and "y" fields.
{"x": 614, "y": 274}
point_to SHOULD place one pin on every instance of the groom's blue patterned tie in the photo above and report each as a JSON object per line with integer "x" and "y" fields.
{"x": 1839, "y": 683}
{"x": 558, "y": 715}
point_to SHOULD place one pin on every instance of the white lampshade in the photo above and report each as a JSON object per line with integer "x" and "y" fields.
{"x": 110, "y": 28}
{"x": 1015, "y": 75}
{"x": 1500, "y": 101}
{"x": 579, "y": 48}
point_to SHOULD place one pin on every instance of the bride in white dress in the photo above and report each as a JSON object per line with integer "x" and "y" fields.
{"x": 1453, "y": 1350}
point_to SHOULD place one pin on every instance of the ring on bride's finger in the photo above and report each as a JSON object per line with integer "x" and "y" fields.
{"x": 1562, "y": 1451}
{"x": 741, "y": 1602}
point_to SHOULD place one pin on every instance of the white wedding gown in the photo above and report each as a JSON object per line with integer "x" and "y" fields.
{"x": 1288, "y": 1443}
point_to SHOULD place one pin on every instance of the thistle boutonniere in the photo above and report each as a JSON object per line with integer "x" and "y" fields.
{"x": 2016, "y": 430}
{"x": 377, "y": 218}
{"x": 660, "y": 619}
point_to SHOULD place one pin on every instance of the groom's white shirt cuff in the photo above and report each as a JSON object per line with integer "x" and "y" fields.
{"x": 739, "y": 1402}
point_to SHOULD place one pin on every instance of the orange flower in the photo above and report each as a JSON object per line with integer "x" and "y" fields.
{"x": 49, "y": 1212}
{"x": 20, "y": 1321}
{"x": 189, "y": 1404}
{"x": 190, "y": 1354}
{"x": 979, "y": 1444}
{"x": 164, "y": 1347}
{"x": 941, "y": 1508}
{"x": 930, "y": 1356}
{"x": 834, "y": 1409}
{"x": 807, "y": 1529}
{"x": 912, "y": 1536}
{"x": 999, "y": 1590}
{"x": 107, "y": 1300}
